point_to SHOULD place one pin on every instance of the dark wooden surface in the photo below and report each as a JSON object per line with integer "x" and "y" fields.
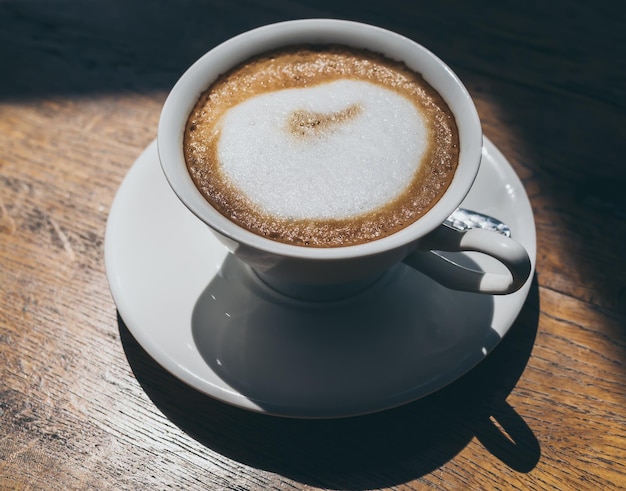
{"x": 82, "y": 406}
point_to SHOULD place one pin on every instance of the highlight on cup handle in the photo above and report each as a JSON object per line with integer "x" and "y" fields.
{"x": 452, "y": 275}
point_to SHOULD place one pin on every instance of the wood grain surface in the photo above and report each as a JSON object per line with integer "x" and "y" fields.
{"x": 82, "y": 406}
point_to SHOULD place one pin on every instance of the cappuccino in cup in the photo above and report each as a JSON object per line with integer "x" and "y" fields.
{"x": 321, "y": 145}
{"x": 308, "y": 133}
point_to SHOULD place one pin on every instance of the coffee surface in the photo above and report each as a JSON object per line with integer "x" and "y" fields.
{"x": 324, "y": 146}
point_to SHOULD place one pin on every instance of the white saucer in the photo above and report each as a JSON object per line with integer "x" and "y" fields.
{"x": 202, "y": 316}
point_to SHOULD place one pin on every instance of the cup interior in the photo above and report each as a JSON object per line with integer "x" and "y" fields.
{"x": 220, "y": 59}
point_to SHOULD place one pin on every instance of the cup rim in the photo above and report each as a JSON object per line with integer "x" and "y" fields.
{"x": 198, "y": 77}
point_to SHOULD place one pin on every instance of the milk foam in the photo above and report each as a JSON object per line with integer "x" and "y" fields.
{"x": 332, "y": 151}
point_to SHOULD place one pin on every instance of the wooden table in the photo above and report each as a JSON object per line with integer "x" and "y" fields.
{"x": 82, "y": 406}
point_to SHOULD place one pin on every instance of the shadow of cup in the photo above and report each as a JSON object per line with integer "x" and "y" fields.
{"x": 400, "y": 339}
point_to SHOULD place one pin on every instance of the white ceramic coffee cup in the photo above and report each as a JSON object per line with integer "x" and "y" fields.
{"x": 307, "y": 271}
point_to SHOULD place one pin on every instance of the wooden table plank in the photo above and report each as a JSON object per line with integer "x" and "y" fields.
{"x": 82, "y": 406}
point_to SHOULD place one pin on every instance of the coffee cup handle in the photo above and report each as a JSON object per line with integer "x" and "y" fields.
{"x": 446, "y": 272}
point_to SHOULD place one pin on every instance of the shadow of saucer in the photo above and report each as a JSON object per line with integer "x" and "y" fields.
{"x": 377, "y": 450}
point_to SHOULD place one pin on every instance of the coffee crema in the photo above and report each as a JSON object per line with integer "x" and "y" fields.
{"x": 322, "y": 146}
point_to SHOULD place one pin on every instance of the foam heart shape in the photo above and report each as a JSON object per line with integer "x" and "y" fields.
{"x": 334, "y": 150}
